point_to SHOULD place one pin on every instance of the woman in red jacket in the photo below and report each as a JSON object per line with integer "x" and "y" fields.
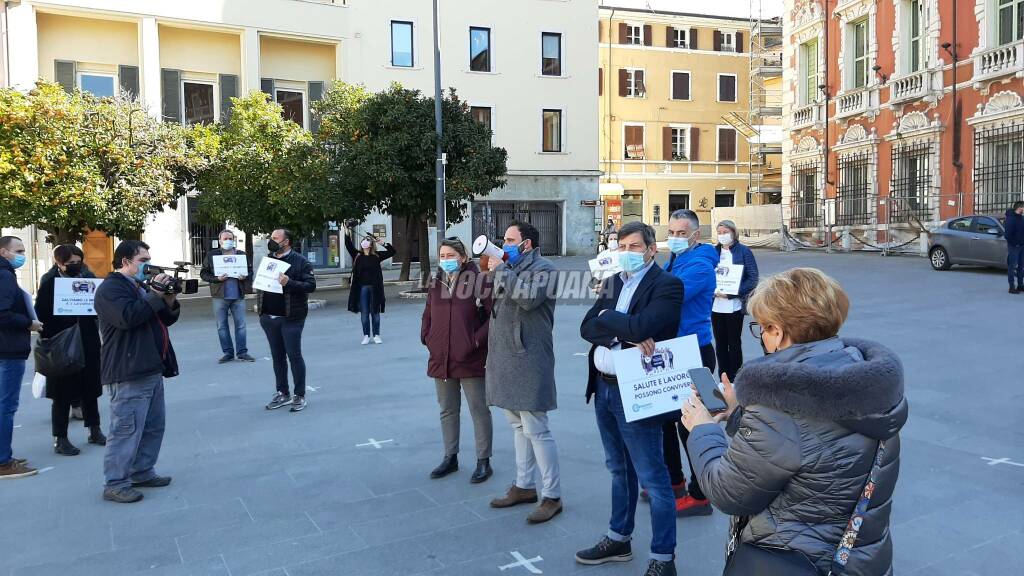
{"x": 454, "y": 330}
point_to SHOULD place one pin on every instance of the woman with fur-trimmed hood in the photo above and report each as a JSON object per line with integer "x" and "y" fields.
{"x": 806, "y": 421}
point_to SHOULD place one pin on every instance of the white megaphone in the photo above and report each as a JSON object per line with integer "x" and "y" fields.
{"x": 484, "y": 247}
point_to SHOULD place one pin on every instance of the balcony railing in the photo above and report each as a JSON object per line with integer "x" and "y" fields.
{"x": 910, "y": 87}
{"x": 999, "y": 61}
{"x": 806, "y": 116}
{"x": 852, "y": 103}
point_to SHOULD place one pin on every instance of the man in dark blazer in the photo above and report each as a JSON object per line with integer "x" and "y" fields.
{"x": 635, "y": 308}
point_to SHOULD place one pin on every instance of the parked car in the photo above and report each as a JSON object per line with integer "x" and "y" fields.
{"x": 977, "y": 240}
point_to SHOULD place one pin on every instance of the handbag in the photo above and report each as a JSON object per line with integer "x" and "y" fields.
{"x": 61, "y": 354}
{"x": 752, "y": 560}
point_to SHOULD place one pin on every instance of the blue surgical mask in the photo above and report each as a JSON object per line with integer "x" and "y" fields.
{"x": 141, "y": 274}
{"x": 228, "y": 244}
{"x": 514, "y": 252}
{"x": 18, "y": 262}
{"x": 631, "y": 261}
{"x": 677, "y": 245}
{"x": 449, "y": 266}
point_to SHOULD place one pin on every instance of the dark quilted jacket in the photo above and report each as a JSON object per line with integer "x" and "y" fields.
{"x": 803, "y": 441}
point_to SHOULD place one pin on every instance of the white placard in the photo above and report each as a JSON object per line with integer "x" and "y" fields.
{"x": 230, "y": 265}
{"x": 728, "y": 278}
{"x": 267, "y": 274}
{"x": 75, "y": 296}
{"x": 656, "y": 384}
{"x": 605, "y": 265}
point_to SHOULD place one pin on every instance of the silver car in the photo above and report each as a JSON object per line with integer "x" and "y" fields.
{"x": 976, "y": 240}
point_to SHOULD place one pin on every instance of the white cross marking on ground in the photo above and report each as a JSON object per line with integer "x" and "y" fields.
{"x": 994, "y": 461}
{"x": 520, "y": 561}
{"x": 580, "y": 354}
{"x": 17, "y": 425}
{"x": 313, "y": 388}
{"x": 266, "y": 357}
{"x": 47, "y": 469}
{"x": 375, "y": 443}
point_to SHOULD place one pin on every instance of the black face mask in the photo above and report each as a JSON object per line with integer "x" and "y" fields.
{"x": 273, "y": 246}
{"x": 74, "y": 269}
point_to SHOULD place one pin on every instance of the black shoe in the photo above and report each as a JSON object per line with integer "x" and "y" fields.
{"x": 607, "y": 550}
{"x": 279, "y": 401}
{"x": 483, "y": 471}
{"x": 64, "y": 447}
{"x": 244, "y": 357}
{"x": 659, "y": 568}
{"x": 225, "y": 358}
{"x": 96, "y": 436}
{"x": 154, "y": 482}
{"x": 298, "y": 404}
{"x": 122, "y": 495}
{"x": 1014, "y": 290}
{"x": 447, "y": 466}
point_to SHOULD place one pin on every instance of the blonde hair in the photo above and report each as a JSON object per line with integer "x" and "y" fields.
{"x": 807, "y": 304}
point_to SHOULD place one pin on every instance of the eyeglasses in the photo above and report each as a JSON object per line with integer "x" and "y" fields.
{"x": 756, "y": 330}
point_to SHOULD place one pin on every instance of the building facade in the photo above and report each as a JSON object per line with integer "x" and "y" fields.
{"x": 522, "y": 69}
{"x": 675, "y": 124}
{"x": 903, "y": 113}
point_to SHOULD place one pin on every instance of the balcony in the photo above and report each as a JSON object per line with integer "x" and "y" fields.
{"x": 911, "y": 87}
{"x": 806, "y": 116}
{"x": 852, "y": 103}
{"x": 999, "y": 61}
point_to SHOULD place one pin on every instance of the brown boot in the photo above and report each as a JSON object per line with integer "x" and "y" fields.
{"x": 548, "y": 509}
{"x": 515, "y": 495}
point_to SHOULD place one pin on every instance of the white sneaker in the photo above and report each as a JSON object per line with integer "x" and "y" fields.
{"x": 377, "y": 340}
{"x": 366, "y": 340}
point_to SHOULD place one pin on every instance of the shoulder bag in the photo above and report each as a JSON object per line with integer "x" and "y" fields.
{"x": 60, "y": 355}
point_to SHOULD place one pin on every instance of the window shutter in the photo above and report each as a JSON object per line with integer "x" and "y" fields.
{"x": 600, "y": 81}
{"x": 129, "y": 80}
{"x": 600, "y": 32}
{"x": 680, "y": 86}
{"x": 623, "y": 33}
{"x": 267, "y": 87}
{"x": 691, "y": 42}
{"x": 718, "y": 41}
{"x": 623, "y": 81}
{"x": 670, "y": 37}
{"x": 64, "y": 74}
{"x": 638, "y": 77}
{"x": 727, "y": 145}
{"x": 739, "y": 41}
{"x": 647, "y": 35}
{"x": 666, "y": 143}
{"x": 694, "y": 143}
{"x": 228, "y": 90}
{"x": 316, "y": 93}
{"x": 170, "y": 88}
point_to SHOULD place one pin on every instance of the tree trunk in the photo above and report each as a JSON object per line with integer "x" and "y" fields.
{"x": 405, "y": 252}
{"x": 58, "y": 236}
{"x": 424, "y": 253}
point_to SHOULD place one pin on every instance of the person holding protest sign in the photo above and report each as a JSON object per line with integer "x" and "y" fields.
{"x": 228, "y": 271}
{"x": 729, "y": 308}
{"x": 84, "y": 386}
{"x": 639, "y": 308}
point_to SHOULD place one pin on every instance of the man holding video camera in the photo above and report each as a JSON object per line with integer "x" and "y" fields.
{"x": 136, "y": 355}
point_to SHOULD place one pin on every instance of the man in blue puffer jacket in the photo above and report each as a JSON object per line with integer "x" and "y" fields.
{"x": 1015, "y": 246}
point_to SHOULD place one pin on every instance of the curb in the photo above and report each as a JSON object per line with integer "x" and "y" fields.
{"x": 412, "y": 295}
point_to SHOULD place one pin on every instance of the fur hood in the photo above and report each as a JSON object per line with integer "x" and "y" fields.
{"x": 855, "y": 383}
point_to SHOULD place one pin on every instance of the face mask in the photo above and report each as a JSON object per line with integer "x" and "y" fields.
{"x": 450, "y": 266}
{"x": 273, "y": 246}
{"x": 228, "y": 244}
{"x": 677, "y": 245}
{"x": 631, "y": 261}
{"x": 365, "y": 244}
{"x": 613, "y": 244}
{"x": 18, "y": 262}
{"x": 514, "y": 252}
{"x": 73, "y": 269}
{"x": 141, "y": 274}
{"x": 725, "y": 239}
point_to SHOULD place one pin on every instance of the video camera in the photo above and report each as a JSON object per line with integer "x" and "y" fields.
{"x": 175, "y": 285}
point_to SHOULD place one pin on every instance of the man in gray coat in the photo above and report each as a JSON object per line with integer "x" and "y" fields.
{"x": 520, "y": 375}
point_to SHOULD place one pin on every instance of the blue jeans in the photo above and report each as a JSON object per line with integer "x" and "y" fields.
{"x": 11, "y": 373}
{"x": 366, "y": 304}
{"x": 1015, "y": 264}
{"x": 136, "y": 431}
{"x": 221, "y": 307}
{"x": 633, "y": 452}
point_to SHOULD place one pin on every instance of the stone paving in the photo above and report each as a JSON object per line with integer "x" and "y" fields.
{"x": 343, "y": 489}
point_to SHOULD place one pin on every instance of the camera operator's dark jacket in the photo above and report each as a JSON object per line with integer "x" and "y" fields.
{"x": 133, "y": 328}
{"x": 216, "y": 286}
{"x": 296, "y": 292}
{"x": 15, "y": 319}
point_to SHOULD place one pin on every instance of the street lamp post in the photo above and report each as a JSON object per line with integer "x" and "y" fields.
{"x": 439, "y": 168}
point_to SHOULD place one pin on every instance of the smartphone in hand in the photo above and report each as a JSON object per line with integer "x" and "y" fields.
{"x": 706, "y": 385}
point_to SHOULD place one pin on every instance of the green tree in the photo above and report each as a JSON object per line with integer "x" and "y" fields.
{"x": 383, "y": 149}
{"x": 71, "y": 162}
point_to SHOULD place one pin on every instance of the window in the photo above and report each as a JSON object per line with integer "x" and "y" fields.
{"x": 809, "y": 72}
{"x": 99, "y": 85}
{"x": 401, "y": 44}
{"x": 635, "y": 87}
{"x": 480, "y": 49}
{"x": 633, "y": 138}
{"x": 680, "y": 37}
{"x": 805, "y": 203}
{"x": 552, "y": 141}
{"x": 853, "y": 202}
{"x": 1010, "y": 20}
{"x": 198, "y": 103}
{"x": 680, "y": 85}
{"x": 726, "y": 87}
{"x": 726, "y": 144}
{"x": 911, "y": 183}
{"x": 678, "y": 200}
{"x": 961, "y": 225}
{"x": 481, "y": 114}
{"x": 916, "y": 14}
{"x": 551, "y": 54}
{"x": 728, "y": 42}
{"x": 634, "y": 34}
{"x": 292, "y": 106}
{"x": 858, "y": 37}
{"x": 998, "y": 167}
{"x": 632, "y": 206}
{"x": 680, "y": 150}
{"x": 986, "y": 225}
{"x": 725, "y": 199}
{"x": 657, "y": 214}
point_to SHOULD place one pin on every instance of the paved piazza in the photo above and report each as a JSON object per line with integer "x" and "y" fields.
{"x": 343, "y": 489}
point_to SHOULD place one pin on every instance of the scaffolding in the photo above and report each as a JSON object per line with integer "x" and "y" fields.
{"x": 765, "y": 105}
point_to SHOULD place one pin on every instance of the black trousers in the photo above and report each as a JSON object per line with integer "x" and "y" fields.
{"x": 672, "y": 428}
{"x": 728, "y": 329}
{"x": 60, "y": 413}
{"x": 285, "y": 339}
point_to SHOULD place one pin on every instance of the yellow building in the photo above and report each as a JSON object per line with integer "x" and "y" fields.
{"x": 669, "y": 85}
